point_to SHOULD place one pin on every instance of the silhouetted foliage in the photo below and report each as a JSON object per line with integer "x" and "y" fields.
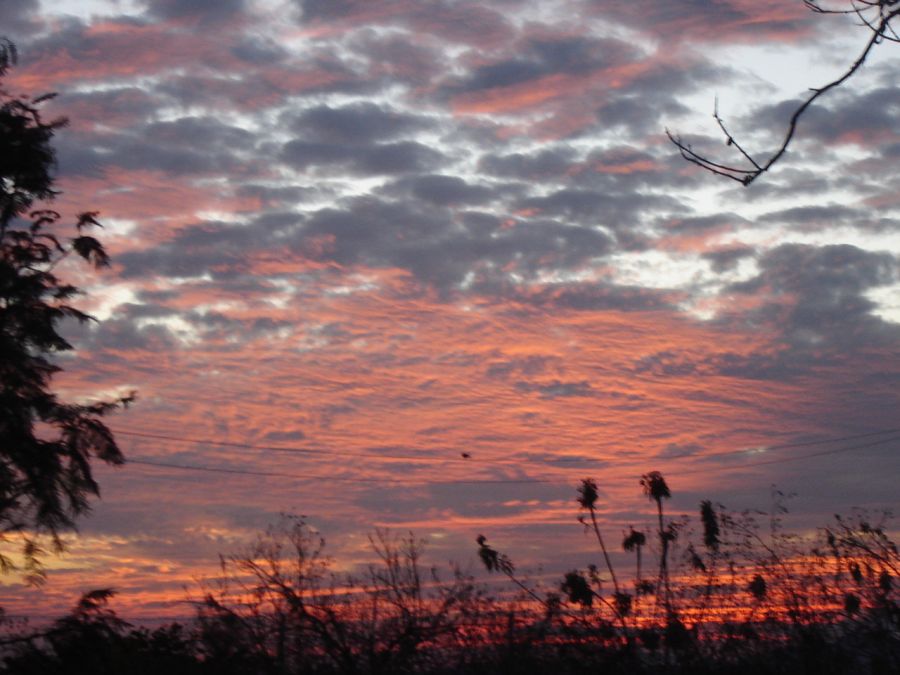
{"x": 576, "y": 589}
{"x": 878, "y": 16}
{"x": 757, "y": 587}
{"x": 587, "y": 499}
{"x": 635, "y": 541}
{"x": 279, "y": 603}
{"x": 93, "y": 640}
{"x": 760, "y": 603}
{"x": 657, "y": 490}
{"x": 46, "y": 445}
{"x": 710, "y": 525}
{"x": 587, "y": 493}
{"x": 655, "y": 486}
{"x": 739, "y": 601}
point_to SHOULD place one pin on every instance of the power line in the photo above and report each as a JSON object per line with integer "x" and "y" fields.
{"x": 299, "y": 450}
{"x": 781, "y": 460}
{"x": 343, "y": 479}
{"x": 799, "y": 444}
{"x": 417, "y": 458}
{"x": 229, "y": 444}
{"x": 408, "y": 481}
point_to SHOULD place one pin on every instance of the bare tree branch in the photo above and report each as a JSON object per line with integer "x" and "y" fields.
{"x": 877, "y": 15}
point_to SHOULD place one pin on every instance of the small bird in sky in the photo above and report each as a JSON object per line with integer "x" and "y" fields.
{"x": 466, "y": 455}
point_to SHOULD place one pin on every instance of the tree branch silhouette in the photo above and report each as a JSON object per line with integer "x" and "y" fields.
{"x": 47, "y": 445}
{"x": 882, "y": 29}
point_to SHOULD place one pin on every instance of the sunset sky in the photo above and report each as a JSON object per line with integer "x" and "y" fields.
{"x": 355, "y": 239}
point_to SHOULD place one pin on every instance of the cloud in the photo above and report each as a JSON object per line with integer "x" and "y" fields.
{"x": 556, "y": 389}
{"x": 726, "y": 258}
{"x": 355, "y": 124}
{"x": 442, "y": 190}
{"x": 542, "y": 164}
{"x": 815, "y": 296}
{"x": 19, "y": 19}
{"x": 862, "y": 118}
{"x": 205, "y": 10}
{"x": 528, "y": 365}
{"x": 700, "y": 21}
{"x": 465, "y": 22}
{"x": 676, "y": 451}
{"x": 188, "y": 145}
{"x": 384, "y": 158}
{"x": 617, "y": 211}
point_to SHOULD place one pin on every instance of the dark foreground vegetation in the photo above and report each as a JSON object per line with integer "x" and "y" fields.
{"x": 733, "y": 594}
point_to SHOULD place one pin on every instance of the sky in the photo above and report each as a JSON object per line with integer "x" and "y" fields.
{"x": 353, "y": 240}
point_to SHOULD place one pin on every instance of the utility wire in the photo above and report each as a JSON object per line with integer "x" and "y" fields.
{"x": 781, "y": 460}
{"x": 800, "y": 444}
{"x": 811, "y": 455}
{"x": 408, "y": 481}
{"x": 455, "y": 458}
{"x": 243, "y": 446}
{"x": 343, "y": 479}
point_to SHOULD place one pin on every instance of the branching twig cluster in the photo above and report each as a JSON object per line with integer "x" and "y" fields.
{"x": 877, "y": 15}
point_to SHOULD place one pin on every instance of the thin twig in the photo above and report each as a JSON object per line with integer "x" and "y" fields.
{"x": 887, "y": 12}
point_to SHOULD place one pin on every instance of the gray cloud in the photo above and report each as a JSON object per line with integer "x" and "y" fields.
{"x": 206, "y": 10}
{"x": 185, "y": 146}
{"x": 394, "y": 58}
{"x": 452, "y": 20}
{"x": 813, "y": 298}
{"x": 199, "y": 249}
{"x": 697, "y": 19}
{"x": 427, "y": 241}
{"x": 860, "y": 114}
{"x": 385, "y": 158}
{"x": 19, "y": 19}
{"x": 815, "y": 295}
{"x": 835, "y": 214}
{"x": 603, "y": 296}
{"x": 442, "y": 190}
{"x": 355, "y": 124}
{"x": 538, "y": 58}
{"x": 623, "y": 213}
{"x": 362, "y": 138}
{"x": 725, "y": 259}
{"x": 542, "y": 164}
{"x": 260, "y": 51}
{"x": 334, "y": 9}
{"x": 557, "y": 389}
{"x": 676, "y": 450}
